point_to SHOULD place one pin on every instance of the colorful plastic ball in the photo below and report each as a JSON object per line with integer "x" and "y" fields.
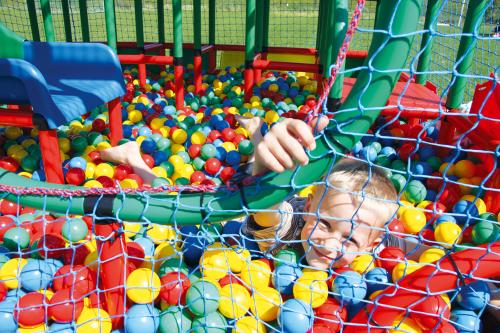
{"x": 9, "y": 164}
{"x": 66, "y": 305}
{"x": 331, "y": 315}
{"x": 93, "y": 320}
{"x": 465, "y": 321}
{"x": 175, "y": 320}
{"x": 377, "y": 279}
{"x": 13, "y": 132}
{"x": 484, "y": 232}
{"x": 310, "y": 290}
{"x": 74, "y": 229}
{"x": 248, "y": 324}
{"x": 30, "y": 310}
{"x": 75, "y": 277}
{"x": 464, "y": 169}
{"x": 233, "y": 158}
{"x": 295, "y": 316}
{"x": 213, "y": 322}
{"x": 29, "y": 163}
{"x": 448, "y": 233}
{"x": 202, "y": 298}
{"x": 284, "y": 278}
{"x": 430, "y": 312}
{"x": 36, "y": 275}
{"x": 265, "y": 304}
{"x": 9, "y": 324}
{"x": 405, "y": 325}
{"x": 286, "y": 256}
{"x": 431, "y": 255}
{"x": 349, "y": 288}
{"x": 147, "y": 245}
{"x": 414, "y": 220}
{"x": 179, "y": 136}
{"x": 415, "y": 191}
{"x": 466, "y": 212}
{"x": 143, "y": 286}
{"x": 104, "y": 169}
{"x": 212, "y": 166}
{"x": 362, "y": 263}
{"x": 142, "y": 318}
{"x": 78, "y": 162}
{"x": 474, "y": 296}
{"x": 148, "y": 146}
{"x": 174, "y": 287}
{"x": 403, "y": 269}
{"x": 16, "y": 239}
{"x": 234, "y": 301}
{"x": 246, "y": 147}
{"x": 256, "y": 274}
{"x": 368, "y": 153}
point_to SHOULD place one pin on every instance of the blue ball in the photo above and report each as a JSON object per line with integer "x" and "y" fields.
{"x": 432, "y": 132}
{"x": 233, "y": 158}
{"x": 357, "y": 147}
{"x": 147, "y": 245}
{"x": 188, "y": 230}
{"x": 54, "y": 264}
{"x": 463, "y": 209}
{"x": 9, "y": 324}
{"x": 169, "y": 110}
{"x": 368, "y": 153}
{"x": 222, "y": 125}
{"x": 78, "y": 162}
{"x": 284, "y": 278}
{"x": 220, "y": 153}
{"x": 170, "y": 122}
{"x": 231, "y": 232}
{"x": 184, "y": 155}
{"x": 159, "y": 156}
{"x": 36, "y": 275}
{"x": 474, "y": 296}
{"x": 144, "y": 131}
{"x": 193, "y": 249}
{"x": 389, "y": 152}
{"x": 349, "y": 288}
{"x": 431, "y": 195}
{"x": 465, "y": 321}
{"x": 444, "y": 218}
{"x": 148, "y": 146}
{"x": 426, "y": 152}
{"x": 421, "y": 168}
{"x": 142, "y": 318}
{"x": 127, "y": 130}
{"x": 295, "y": 316}
{"x": 377, "y": 279}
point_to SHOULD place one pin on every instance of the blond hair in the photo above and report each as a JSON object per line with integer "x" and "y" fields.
{"x": 364, "y": 183}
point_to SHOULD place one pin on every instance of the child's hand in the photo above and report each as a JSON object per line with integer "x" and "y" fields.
{"x": 283, "y": 146}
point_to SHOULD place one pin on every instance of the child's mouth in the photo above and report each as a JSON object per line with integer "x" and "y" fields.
{"x": 321, "y": 254}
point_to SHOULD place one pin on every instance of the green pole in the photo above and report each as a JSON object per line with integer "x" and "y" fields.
{"x": 177, "y": 7}
{"x": 211, "y": 22}
{"x": 465, "y": 54}
{"x": 259, "y": 26}
{"x": 139, "y": 23}
{"x": 427, "y": 39}
{"x": 250, "y": 32}
{"x": 84, "y": 19}
{"x": 109, "y": 14}
{"x": 327, "y": 40}
{"x": 319, "y": 30}
{"x": 265, "y": 24}
{"x": 33, "y": 20}
{"x": 161, "y": 21}
{"x": 48, "y": 24}
{"x": 341, "y": 15}
{"x": 67, "y": 20}
{"x": 197, "y": 24}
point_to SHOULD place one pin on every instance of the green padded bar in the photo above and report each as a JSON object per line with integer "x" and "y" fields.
{"x": 12, "y": 43}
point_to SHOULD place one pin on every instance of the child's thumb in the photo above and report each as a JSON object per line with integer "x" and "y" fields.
{"x": 319, "y": 122}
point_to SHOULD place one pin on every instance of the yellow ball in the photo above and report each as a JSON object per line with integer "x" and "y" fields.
{"x": 448, "y": 233}
{"x": 163, "y": 252}
{"x": 413, "y": 220}
{"x": 256, "y": 274}
{"x": 104, "y": 169}
{"x": 198, "y": 138}
{"x": 129, "y": 183}
{"x": 19, "y": 155}
{"x": 363, "y": 263}
{"x": 159, "y": 172}
{"x": 176, "y": 161}
{"x": 451, "y": 170}
{"x": 135, "y": 116}
{"x": 103, "y": 146}
{"x": 305, "y": 192}
{"x": 35, "y": 329}
{"x": 187, "y": 170}
{"x": 143, "y": 286}
{"x": 480, "y": 204}
{"x": 431, "y": 255}
{"x": 13, "y": 132}
{"x": 25, "y": 174}
{"x": 407, "y": 325}
{"x": 465, "y": 169}
{"x": 254, "y": 99}
{"x": 217, "y": 111}
{"x": 90, "y": 170}
{"x": 179, "y": 136}
{"x": 228, "y": 146}
{"x": 175, "y": 148}
{"x": 93, "y": 184}
{"x": 131, "y": 229}
{"x": 215, "y": 264}
{"x": 64, "y": 145}
{"x": 10, "y": 270}
{"x": 271, "y": 117}
{"x": 311, "y": 291}
{"x": 159, "y": 233}
{"x": 234, "y": 301}
{"x": 404, "y": 268}
{"x": 242, "y": 131}
{"x": 266, "y": 303}
{"x": 249, "y": 324}
{"x": 93, "y": 320}
{"x": 157, "y": 123}
{"x": 28, "y": 142}
{"x": 238, "y": 258}
{"x": 274, "y": 87}
{"x": 14, "y": 148}
{"x": 423, "y": 204}
{"x": 403, "y": 206}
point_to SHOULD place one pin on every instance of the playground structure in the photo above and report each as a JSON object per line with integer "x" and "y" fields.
{"x": 412, "y": 98}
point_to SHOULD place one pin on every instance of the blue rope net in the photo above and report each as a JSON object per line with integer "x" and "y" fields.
{"x": 417, "y": 195}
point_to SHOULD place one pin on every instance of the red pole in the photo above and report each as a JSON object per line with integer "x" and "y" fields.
{"x": 197, "y": 72}
{"x": 179, "y": 86}
{"x": 51, "y": 157}
{"x": 446, "y": 135}
{"x": 113, "y": 269}
{"x": 142, "y": 74}
{"x": 115, "y": 121}
{"x": 249, "y": 82}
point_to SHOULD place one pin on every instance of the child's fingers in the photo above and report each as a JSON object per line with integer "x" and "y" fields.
{"x": 302, "y": 132}
{"x": 282, "y": 155}
{"x": 267, "y": 158}
{"x": 294, "y": 148}
{"x": 321, "y": 121}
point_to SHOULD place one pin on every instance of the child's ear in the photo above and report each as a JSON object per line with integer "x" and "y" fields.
{"x": 309, "y": 200}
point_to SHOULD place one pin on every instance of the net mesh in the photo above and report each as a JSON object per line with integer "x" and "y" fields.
{"x": 419, "y": 195}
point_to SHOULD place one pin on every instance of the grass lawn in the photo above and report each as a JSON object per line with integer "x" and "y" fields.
{"x": 293, "y": 23}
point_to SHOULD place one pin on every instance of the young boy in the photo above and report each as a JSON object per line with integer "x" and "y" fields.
{"x": 341, "y": 220}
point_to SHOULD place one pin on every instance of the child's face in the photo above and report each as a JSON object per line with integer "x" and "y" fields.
{"x": 342, "y": 231}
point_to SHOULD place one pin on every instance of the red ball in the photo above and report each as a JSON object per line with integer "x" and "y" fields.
{"x": 95, "y": 156}
{"x": 435, "y": 210}
{"x": 98, "y": 125}
{"x": 430, "y": 312}
{"x": 30, "y": 310}
{"x": 76, "y": 255}
{"x": 238, "y": 138}
{"x": 9, "y": 164}
{"x": 207, "y": 182}
{"x": 227, "y": 173}
{"x": 76, "y": 276}
{"x": 428, "y": 236}
{"x": 397, "y": 227}
{"x": 135, "y": 253}
{"x": 97, "y": 300}
{"x": 406, "y": 150}
{"x": 150, "y": 161}
{"x": 137, "y": 178}
{"x": 50, "y": 245}
{"x": 331, "y": 314}
{"x": 197, "y": 177}
{"x": 9, "y": 208}
{"x": 435, "y": 183}
{"x": 66, "y": 305}
{"x": 417, "y": 131}
{"x": 194, "y": 150}
{"x": 212, "y": 166}
{"x": 318, "y": 328}
{"x": 3, "y": 291}
{"x": 390, "y": 257}
{"x": 230, "y": 119}
{"x": 230, "y": 278}
{"x": 450, "y": 195}
{"x": 228, "y": 134}
{"x": 106, "y": 181}
{"x": 122, "y": 171}
{"x": 311, "y": 102}
{"x": 28, "y": 210}
{"x": 214, "y": 135}
{"x": 6, "y": 222}
{"x": 172, "y": 130}
{"x": 467, "y": 235}
{"x": 75, "y": 176}
{"x": 174, "y": 286}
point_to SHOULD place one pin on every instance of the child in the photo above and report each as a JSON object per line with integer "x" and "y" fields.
{"x": 339, "y": 221}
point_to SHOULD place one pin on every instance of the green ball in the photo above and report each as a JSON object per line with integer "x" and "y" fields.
{"x": 158, "y": 182}
{"x": 163, "y": 144}
{"x": 202, "y": 298}
{"x": 377, "y": 146}
{"x": 208, "y": 151}
{"x": 78, "y": 144}
{"x": 169, "y": 168}
{"x": 95, "y": 138}
{"x": 74, "y": 229}
{"x": 29, "y": 163}
{"x": 415, "y": 191}
{"x": 194, "y": 276}
{"x": 398, "y": 165}
{"x": 175, "y": 320}
{"x": 122, "y": 141}
{"x": 182, "y": 181}
{"x": 245, "y": 147}
{"x": 288, "y": 257}
{"x": 435, "y": 162}
{"x": 212, "y": 323}
{"x": 299, "y": 99}
{"x": 16, "y": 238}
{"x": 383, "y": 160}
{"x": 173, "y": 265}
{"x": 198, "y": 163}
{"x": 399, "y": 181}
{"x": 203, "y": 100}
{"x": 484, "y": 232}
{"x": 237, "y": 102}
